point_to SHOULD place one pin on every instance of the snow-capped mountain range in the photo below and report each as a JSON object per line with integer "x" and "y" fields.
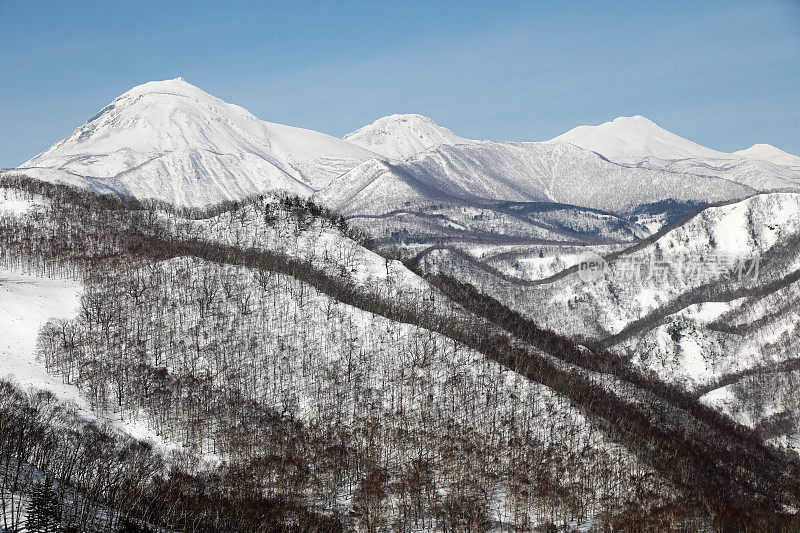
{"x": 171, "y": 141}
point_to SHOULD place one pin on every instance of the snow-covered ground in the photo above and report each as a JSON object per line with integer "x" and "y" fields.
{"x": 26, "y": 304}
{"x": 13, "y": 203}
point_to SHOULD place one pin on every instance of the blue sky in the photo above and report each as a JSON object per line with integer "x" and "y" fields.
{"x": 724, "y": 74}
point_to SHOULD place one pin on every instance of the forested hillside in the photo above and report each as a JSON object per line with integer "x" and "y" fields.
{"x": 305, "y": 383}
{"x": 708, "y": 303}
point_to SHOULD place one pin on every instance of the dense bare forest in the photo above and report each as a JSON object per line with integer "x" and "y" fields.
{"x": 309, "y": 384}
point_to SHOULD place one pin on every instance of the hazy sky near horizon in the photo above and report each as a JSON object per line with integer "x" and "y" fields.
{"x": 725, "y": 74}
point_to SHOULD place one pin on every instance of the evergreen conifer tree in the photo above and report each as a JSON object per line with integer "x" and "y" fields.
{"x": 44, "y": 512}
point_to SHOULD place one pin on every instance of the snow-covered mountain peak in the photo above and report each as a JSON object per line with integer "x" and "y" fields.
{"x": 402, "y": 136}
{"x": 173, "y": 141}
{"x": 149, "y": 119}
{"x": 633, "y": 139}
{"x": 153, "y": 84}
{"x": 767, "y": 152}
{"x": 635, "y": 119}
{"x": 176, "y": 87}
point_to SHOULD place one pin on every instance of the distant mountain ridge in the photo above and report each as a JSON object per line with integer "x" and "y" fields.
{"x": 767, "y": 152}
{"x": 639, "y": 141}
{"x": 518, "y": 172}
{"x": 632, "y": 139}
{"x": 636, "y": 139}
{"x": 171, "y": 141}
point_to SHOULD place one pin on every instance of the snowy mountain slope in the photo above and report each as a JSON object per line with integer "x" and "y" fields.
{"x": 767, "y": 152}
{"x": 632, "y": 139}
{"x": 750, "y": 353}
{"x": 686, "y": 317}
{"x": 267, "y": 224}
{"x": 688, "y": 257}
{"x": 691, "y": 262}
{"x": 705, "y": 343}
{"x": 473, "y": 228}
{"x": 28, "y": 303}
{"x": 742, "y": 355}
{"x": 755, "y": 173}
{"x": 172, "y": 141}
{"x": 402, "y": 136}
{"x": 519, "y": 172}
{"x": 675, "y": 306}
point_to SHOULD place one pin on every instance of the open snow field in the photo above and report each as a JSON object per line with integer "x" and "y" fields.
{"x": 26, "y": 304}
